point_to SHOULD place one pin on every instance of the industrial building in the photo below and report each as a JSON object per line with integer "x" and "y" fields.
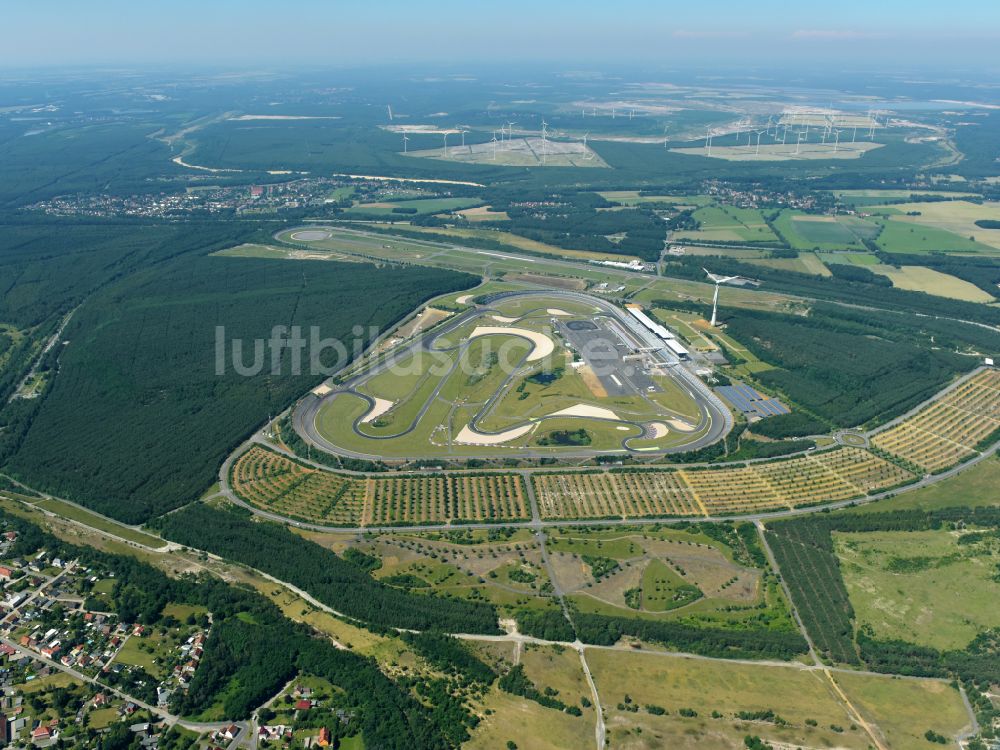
{"x": 670, "y": 341}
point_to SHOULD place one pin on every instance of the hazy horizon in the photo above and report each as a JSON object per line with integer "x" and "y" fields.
{"x": 894, "y": 33}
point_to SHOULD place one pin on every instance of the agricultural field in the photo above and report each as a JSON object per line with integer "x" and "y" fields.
{"x": 931, "y": 281}
{"x": 824, "y": 233}
{"x": 825, "y": 476}
{"x": 276, "y": 483}
{"x": 677, "y": 702}
{"x": 635, "y": 198}
{"x": 951, "y": 428}
{"x": 805, "y": 263}
{"x": 865, "y": 260}
{"x": 934, "y": 588}
{"x": 619, "y": 495}
{"x": 958, "y": 217}
{"x": 911, "y": 238}
{"x": 728, "y": 224}
{"x": 273, "y": 482}
{"x": 973, "y": 486}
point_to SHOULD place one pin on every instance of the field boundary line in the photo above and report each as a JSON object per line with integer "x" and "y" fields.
{"x": 781, "y": 497}
{"x": 836, "y": 474}
{"x": 694, "y": 493}
{"x": 942, "y": 437}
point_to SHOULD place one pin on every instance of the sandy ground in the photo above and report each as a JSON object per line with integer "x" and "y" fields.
{"x": 382, "y": 405}
{"x": 463, "y": 299}
{"x": 592, "y": 382}
{"x": 556, "y": 311}
{"x": 483, "y": 213}
{"x": 469, "y": 437}
{"x": 585, "y": 410}
{"x": 322, "y": 389}
{"x": 680, "y": 425}
{"x": 429, "y": 317}
{"x": 543, "y": 344}
{"x": 503, "y": 319}
{"x": 179, "y": 160}
{"x": 424, "y": 129}
{"x": 659, "y": 430}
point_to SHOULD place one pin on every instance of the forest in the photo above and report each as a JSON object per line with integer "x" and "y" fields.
{"x": 144, "y": 352}
{"x": 848, "y": 367}
{"x": 337, "y": 583}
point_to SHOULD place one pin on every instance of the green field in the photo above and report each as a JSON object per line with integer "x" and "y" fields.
{"x": 922, "y": 587}
{"x": 957, "y": 216}
{"x": 663, "y": 589}
{"x": 824, "y": 233}
{"x": 813, "y": 713}
{"x": 99, "y": 522}
{"x": 904, "y": 709}
{"x": 805, "y": 263}
{"x": 973, "y": 487}
{"x": 729, "y": 224}
{"x": 900, "y": 236}
{"x": 852, "y": 259}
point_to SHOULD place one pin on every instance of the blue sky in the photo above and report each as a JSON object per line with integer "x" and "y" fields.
{"x": 339, "y": 32}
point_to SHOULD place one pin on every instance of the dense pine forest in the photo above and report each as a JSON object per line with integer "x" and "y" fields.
{"x": 138, "y": 420}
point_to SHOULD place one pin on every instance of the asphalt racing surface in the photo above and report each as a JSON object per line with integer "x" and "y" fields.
{"x": 714, "y": 418}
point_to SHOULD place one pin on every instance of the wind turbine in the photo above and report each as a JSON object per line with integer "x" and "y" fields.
{"x": 759, "y": 134}
{"x": 445, "y": 134}
{"x": 798, "y": 144}
{"x": 389, "y": 107}
{"x": 836, "y": 144}
{"x": 406, "y": 139}
{"x": 587, "y": 155}
{"x": 510, "y": 132}
{"x": 494, "y": 145}
{"x": 717, "y": 280}
{"x": 545, "y": 133}
{"x": 665, "y": 135}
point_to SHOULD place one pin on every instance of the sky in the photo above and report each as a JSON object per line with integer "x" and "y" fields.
{"x": 350, "y": 33}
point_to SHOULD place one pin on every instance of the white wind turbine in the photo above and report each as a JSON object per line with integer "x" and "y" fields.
{"x": 406, "y": 139}
{"x": 717, "y": 280}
